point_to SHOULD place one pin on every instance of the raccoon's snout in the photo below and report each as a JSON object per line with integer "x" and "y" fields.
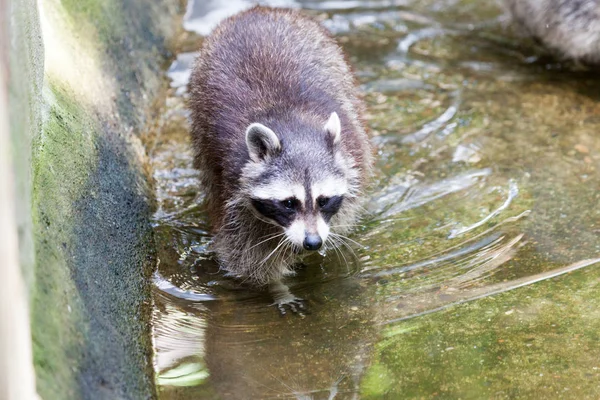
{"x": 312, "y": 242}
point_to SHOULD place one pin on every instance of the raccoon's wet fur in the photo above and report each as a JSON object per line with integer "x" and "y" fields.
{"x": 278, "y": 137}
{"x": 571, "y": 28}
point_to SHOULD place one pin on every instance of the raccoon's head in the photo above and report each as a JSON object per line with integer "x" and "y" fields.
{"x": 299, "y": 178}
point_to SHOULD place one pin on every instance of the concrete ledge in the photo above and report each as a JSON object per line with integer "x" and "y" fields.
{"x": 77, "y": 104}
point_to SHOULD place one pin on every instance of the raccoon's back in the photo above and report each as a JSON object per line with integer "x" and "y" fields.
{"x": 256, "y": 66}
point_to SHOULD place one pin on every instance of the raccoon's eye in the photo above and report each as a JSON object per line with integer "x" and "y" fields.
{"x": 322, "y": 201}
{"x": 290, "y": 204}
{"x": 329, "y": 206}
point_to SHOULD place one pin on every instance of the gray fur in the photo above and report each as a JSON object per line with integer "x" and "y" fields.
{"x": 280, "y": 69}
{"x": 571, "y": 28}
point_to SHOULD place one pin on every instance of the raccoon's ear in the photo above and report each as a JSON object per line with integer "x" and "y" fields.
{"x": 262, "y": 142}
{"x": 334, "y": 127}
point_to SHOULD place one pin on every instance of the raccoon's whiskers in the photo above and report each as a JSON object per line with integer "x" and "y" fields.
{"x": 281, "y": 257}
{"x": 344, "y": 241}
{"x": 329, "y": 244}
{"x": 347, "y": 226}
{"x": 341, "y": 250}
{"x": 281, "y": 242}
{"x": 269, "y": 237}
{"x": 346, "y": 238}
{"x": 336, "y": 248}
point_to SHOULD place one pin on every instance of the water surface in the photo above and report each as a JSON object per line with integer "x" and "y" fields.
{"x": 475, "y": 272}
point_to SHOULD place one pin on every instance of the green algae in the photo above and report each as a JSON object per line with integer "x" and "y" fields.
{"x": 94, "y": 334}
{"x": 131, "y": 36}
{"x": 64, "y": 149}
{"x": 537, "y": 342}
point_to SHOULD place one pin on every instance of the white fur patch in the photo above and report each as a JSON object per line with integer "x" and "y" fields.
{"x": 296, "y": 232}
{"x": 322, "y": 228}
{"x": 329, "y": 187}
{"x": 279, "y": 191}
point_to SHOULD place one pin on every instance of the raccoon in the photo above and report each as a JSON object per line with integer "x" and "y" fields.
{"x": 571, "y": 28}
{"x": 279, "y": 140}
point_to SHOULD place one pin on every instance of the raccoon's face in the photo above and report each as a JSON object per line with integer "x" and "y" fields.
{"x": 301, "y": 185}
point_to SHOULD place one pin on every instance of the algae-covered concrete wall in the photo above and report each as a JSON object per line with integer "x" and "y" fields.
{"x": 83, "y": 75}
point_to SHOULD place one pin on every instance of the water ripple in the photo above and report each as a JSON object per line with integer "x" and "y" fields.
{"x": 396, "y": 199}
{"x": 488, "y": 291}
{"x": 167, "y": 287}
{"x": 513, "y": 191}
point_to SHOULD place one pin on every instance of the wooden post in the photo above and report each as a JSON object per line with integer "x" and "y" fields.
{"x": 17, "y": 377}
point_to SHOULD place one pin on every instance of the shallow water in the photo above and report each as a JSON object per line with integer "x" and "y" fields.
{"x": 475, "y": 270}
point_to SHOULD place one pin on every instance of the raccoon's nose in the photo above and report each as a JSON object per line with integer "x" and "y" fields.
{"x": 312, "y": 242}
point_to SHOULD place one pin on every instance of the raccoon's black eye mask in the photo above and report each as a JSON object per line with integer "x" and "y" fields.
{"x": 282, "y": 212}
{"x": 329, "y": 206}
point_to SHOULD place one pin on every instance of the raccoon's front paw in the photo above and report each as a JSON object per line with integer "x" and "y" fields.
{"x": 285, "y": 300}
{"x": 291, "y": 302}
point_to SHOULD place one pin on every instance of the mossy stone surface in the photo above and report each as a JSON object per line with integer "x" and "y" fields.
{"x": 86, "y": 203}
{"x": 536, "y": 342}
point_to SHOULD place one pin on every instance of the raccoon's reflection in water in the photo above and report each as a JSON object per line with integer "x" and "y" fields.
{"x": 233, "y": 346}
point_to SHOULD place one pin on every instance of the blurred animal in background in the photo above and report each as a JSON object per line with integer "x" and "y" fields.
{"x": 570, "y": 28}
